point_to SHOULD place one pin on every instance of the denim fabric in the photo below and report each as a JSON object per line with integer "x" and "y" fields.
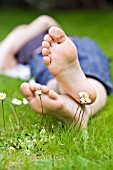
{"x": 39, "y": 71}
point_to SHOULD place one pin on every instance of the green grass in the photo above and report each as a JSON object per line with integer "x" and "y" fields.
{"x": 58, "y": 148}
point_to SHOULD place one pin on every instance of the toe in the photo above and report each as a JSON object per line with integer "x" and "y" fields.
{"x": 53, "y": 94}
{"x": 37, "y": 86}
{"x": 45, "y": 52}
{"x": 34, "y": 86}
{"x": 44, "y": 89}
{"x": 31, "y": 86}
{"x": 57, "y": 34}
{"x": 26, "y": 92}
{"x": 47, "y": 38}
{"x": 46, "y": 61}
{"x": 45, "y": 44}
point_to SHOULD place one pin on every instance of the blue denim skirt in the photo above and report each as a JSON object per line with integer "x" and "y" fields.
{"x": 92, "y": 61}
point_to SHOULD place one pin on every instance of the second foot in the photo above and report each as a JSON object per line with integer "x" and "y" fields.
{"x": 61, "y": 107}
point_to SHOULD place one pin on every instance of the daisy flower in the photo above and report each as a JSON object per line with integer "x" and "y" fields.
{"x": 39, "y": 92}
{"x": 85, "y": 100}
{"x": 16, "y": 101}
{"x": 2, "y": 96}
{"x": 25, "y": 101}
{"x": 83, "y": 94}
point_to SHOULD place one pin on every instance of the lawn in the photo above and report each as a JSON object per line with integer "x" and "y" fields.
{"x": 59, "y": 148}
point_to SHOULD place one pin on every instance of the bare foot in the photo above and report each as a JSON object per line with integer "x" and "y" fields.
{"x": 60, "y": 106}
{"x": 60, "y": 56}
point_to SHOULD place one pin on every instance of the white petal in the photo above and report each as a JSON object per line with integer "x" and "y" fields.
{"x": 16, "y": 101}
{"x": 83, "y": 94}
{"x": 2, "y": 96}
{"x": 89, "y": 101}
{"x": 25, "y": 101}
{"x": 85, "y": 100}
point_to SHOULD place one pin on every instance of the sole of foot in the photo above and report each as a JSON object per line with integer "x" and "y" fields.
{"x": 61, "y": 58}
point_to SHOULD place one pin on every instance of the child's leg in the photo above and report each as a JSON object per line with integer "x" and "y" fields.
{"x": 9, "y": 46}
{"x": 21, "y": 35}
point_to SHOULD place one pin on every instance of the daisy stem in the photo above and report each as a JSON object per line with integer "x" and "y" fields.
{"x": 78, "y": 118}
{"x": 3, "y": 115}
{"x": 11, "y": 123}
{"x": 75, "y": 113}
{"x": 42, "y": 110}
{"x": 14, "y": 111}
{"x": 82, "y": 115}
{"x": 22, "y": 115}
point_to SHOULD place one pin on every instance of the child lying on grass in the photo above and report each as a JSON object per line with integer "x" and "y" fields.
{"x": 76, "y": 72}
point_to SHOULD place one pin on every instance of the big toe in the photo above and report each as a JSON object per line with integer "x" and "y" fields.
{"x": 26, "y": 92}
{"x": 57, "y": 34}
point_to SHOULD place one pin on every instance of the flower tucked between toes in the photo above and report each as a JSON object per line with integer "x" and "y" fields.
{"x": 84, "y": 98}
{"x": 38, "y": 92}
{"x": 83, "y": 94}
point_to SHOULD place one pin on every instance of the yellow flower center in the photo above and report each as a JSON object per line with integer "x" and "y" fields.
{"x": 1, "y": 96}
{"x": 83, "y": 95}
